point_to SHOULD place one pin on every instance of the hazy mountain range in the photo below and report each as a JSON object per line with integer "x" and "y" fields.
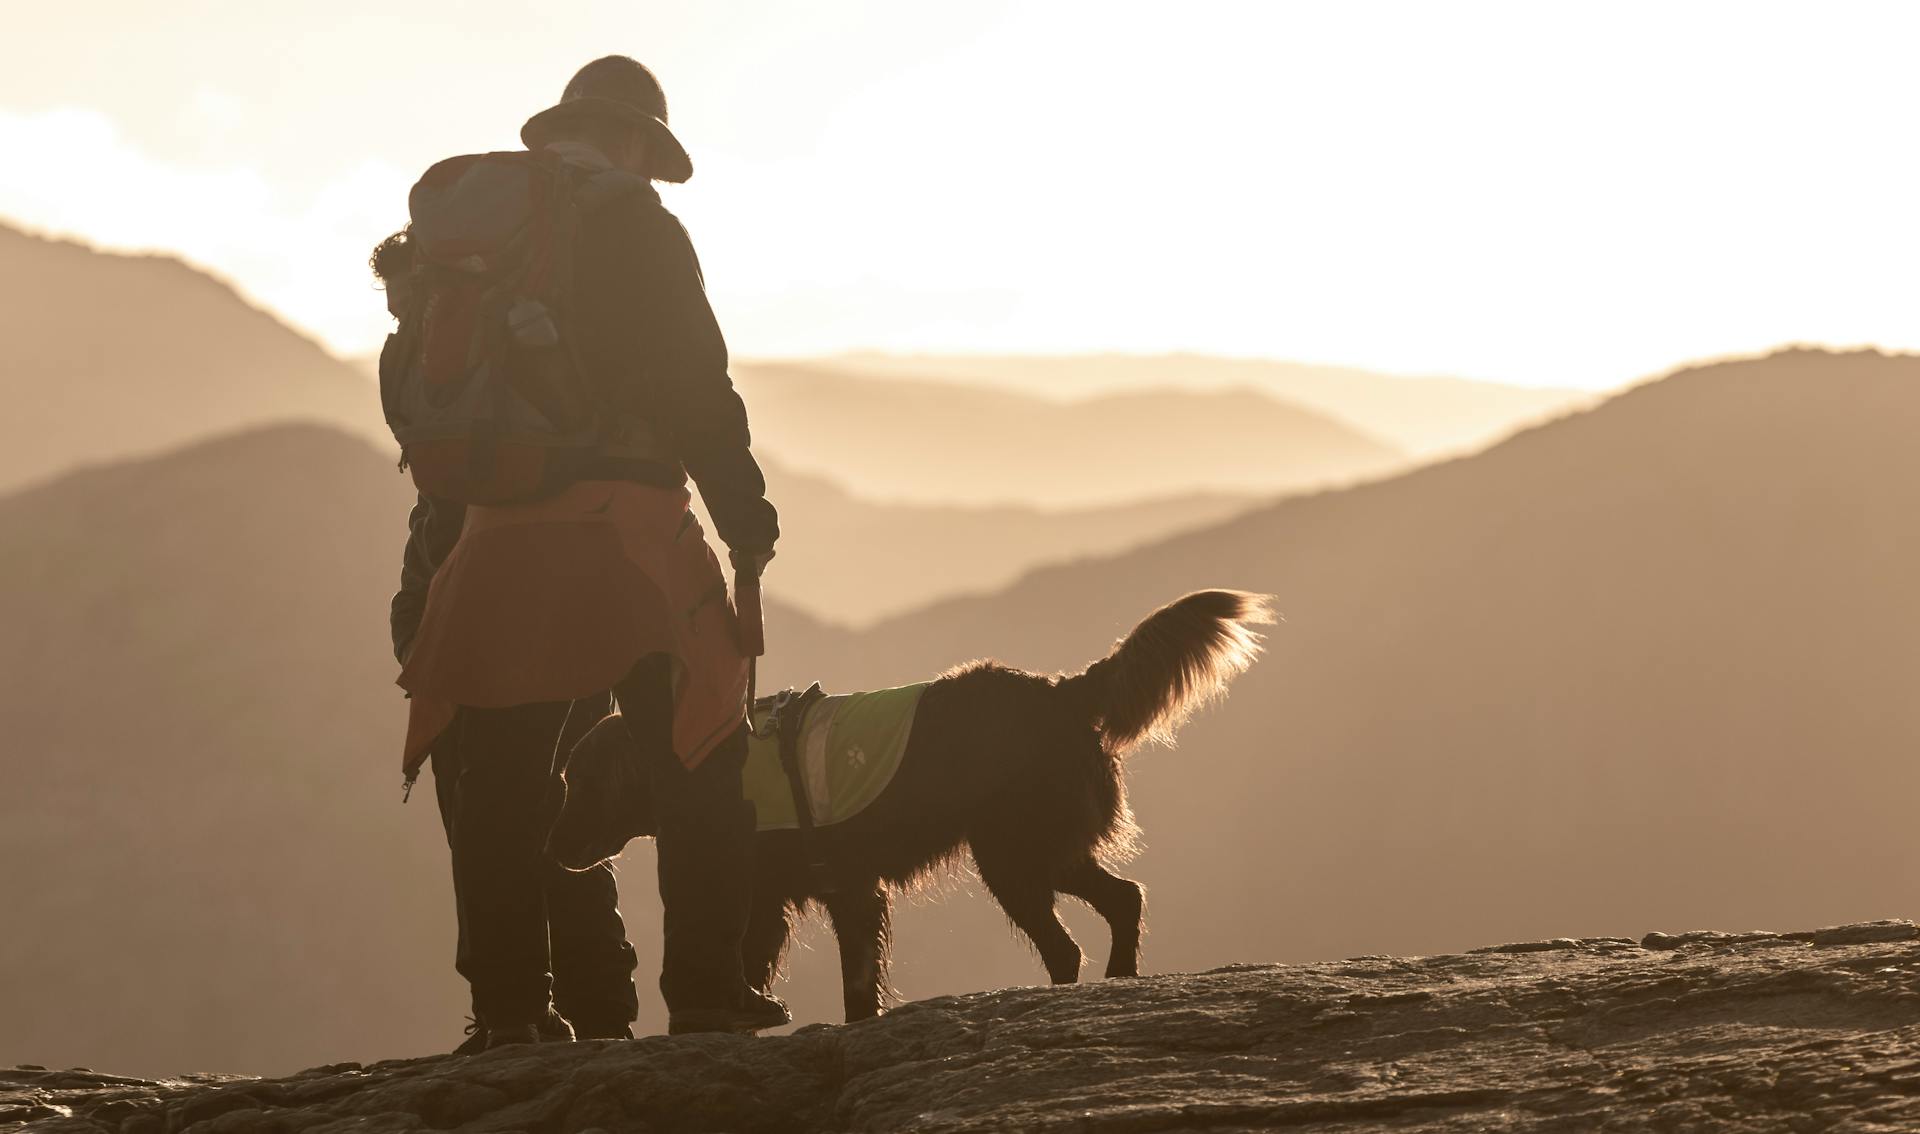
{"x": 1422, "y": 416}
{"x": 108, "y": 356}
{"x": 1645, "y": 666}
{"x": 948, "y": 442}
{"x": 208, "y": 862}
{"x": 105, "y": 356}
{"x": 853, "y": 560}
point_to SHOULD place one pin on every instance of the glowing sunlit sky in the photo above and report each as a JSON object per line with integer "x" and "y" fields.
{"x": 1541, "y": 193}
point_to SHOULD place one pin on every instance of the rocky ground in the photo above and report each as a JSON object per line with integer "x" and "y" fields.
{"x": 1698, "y": 1031}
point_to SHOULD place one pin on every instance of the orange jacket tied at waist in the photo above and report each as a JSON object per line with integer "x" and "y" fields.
{"x": 557, "y": 599}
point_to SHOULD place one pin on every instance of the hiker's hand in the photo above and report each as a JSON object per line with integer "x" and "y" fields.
{"x": 751, "y": 563}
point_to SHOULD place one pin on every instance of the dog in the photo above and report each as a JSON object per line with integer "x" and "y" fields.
{"x": 1021, "y": 770}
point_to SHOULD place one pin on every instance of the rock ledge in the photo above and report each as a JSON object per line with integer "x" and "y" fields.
{"x": 1751, "y": 1031}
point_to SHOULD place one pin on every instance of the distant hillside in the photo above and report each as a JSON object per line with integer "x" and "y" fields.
{"x": 1421, "y": 416}
{"x": 116, "y": 356}
{"x": 953, "y": 443}
{"x": 933, "y": 430}
{"x": 200, "y": 760}
{"x": 853, "y": 561}
{"x": 106, "y": 356}
{"x": 1652, "y": 664}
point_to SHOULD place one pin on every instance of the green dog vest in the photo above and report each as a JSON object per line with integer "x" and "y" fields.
{"x": 850, "y": 747}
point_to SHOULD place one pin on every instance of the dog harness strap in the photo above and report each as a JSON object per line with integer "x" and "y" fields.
{"x": 790, "y": 715}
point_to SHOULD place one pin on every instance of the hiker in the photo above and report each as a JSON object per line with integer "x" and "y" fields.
{"x": 542, "y": 572}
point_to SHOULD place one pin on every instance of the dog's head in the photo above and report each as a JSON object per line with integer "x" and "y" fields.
{"x": 606, "y": 801}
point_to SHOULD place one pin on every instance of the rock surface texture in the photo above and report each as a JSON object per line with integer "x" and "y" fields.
{"x": 1693, "y": 1031}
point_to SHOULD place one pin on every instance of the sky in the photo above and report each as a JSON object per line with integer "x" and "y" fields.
{"x": 1545, "y": 194}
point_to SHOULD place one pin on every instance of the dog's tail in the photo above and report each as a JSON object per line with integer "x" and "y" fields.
{"x": 1180, "y": 658}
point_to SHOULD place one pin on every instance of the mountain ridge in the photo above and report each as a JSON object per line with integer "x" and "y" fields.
{"x": 952, "y": 443}
{"x": 111, "y": 355}
{"x": 854, "y": 561}
{"x": 114, "y": 356}
{"x": 1424, "y": 415}
{"x": 1295, "y": 504}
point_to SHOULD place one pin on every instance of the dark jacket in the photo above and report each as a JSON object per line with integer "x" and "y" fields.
{"x": 433, "y": 527}
{"x": 647, "y": 336}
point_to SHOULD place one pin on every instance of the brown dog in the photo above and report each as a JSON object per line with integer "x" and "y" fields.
{"x": 1022, "y": 770}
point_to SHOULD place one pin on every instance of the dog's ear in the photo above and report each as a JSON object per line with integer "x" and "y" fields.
{"x": 569, "y": 839}
{"x": 605, "y": 801}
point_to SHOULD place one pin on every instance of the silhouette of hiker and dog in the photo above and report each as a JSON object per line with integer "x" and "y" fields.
{"x": 581, "y": 675}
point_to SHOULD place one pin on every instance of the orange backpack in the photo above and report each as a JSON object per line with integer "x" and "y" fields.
{"x": 483, "y": 388}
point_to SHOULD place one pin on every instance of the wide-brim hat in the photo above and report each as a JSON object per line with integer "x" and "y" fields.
{"x": 620, "y": 89}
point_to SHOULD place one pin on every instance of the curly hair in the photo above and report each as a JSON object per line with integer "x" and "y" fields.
{"x": 392, "y": 258}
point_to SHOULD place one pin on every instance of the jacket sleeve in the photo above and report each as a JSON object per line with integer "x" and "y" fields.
{"x": 433, "y": 527}
{"x": 691, "y": 396}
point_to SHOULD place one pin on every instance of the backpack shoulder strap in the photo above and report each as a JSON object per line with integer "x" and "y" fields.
{"x": 601, "y": 188}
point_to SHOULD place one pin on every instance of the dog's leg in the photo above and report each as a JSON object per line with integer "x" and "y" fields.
{"x": 1028, "y": 900}
{"x": 862, "y": 923}
{"x": 1121, "y": 902}
{"x": 769, "y": 924}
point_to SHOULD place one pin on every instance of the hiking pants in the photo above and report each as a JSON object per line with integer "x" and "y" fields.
{"x": 705, "y": 847}
{"x": 531, "y": 933}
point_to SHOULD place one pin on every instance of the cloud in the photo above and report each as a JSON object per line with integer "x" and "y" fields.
{"x": 215, "y": 112}
{"x": 300, "y": 252}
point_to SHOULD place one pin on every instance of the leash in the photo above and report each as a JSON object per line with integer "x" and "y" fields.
{"x": 753, "y": 633}
{"x": 784, "y": 718}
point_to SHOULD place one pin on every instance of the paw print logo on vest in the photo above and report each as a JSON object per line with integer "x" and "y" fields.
{"x": 857, "y": 757}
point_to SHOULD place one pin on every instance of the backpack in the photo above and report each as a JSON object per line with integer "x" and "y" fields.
{"x": 483, "y": 388}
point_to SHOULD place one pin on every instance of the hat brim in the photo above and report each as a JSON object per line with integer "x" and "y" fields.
{"x": 667, "y": 159}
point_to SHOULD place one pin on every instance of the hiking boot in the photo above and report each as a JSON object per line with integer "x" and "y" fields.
{"x": 753, "y": 1011}
{"x": 476, "y": 1041}
{"x": 552, "y": 1028}
{"x": 764, "y": 1009}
